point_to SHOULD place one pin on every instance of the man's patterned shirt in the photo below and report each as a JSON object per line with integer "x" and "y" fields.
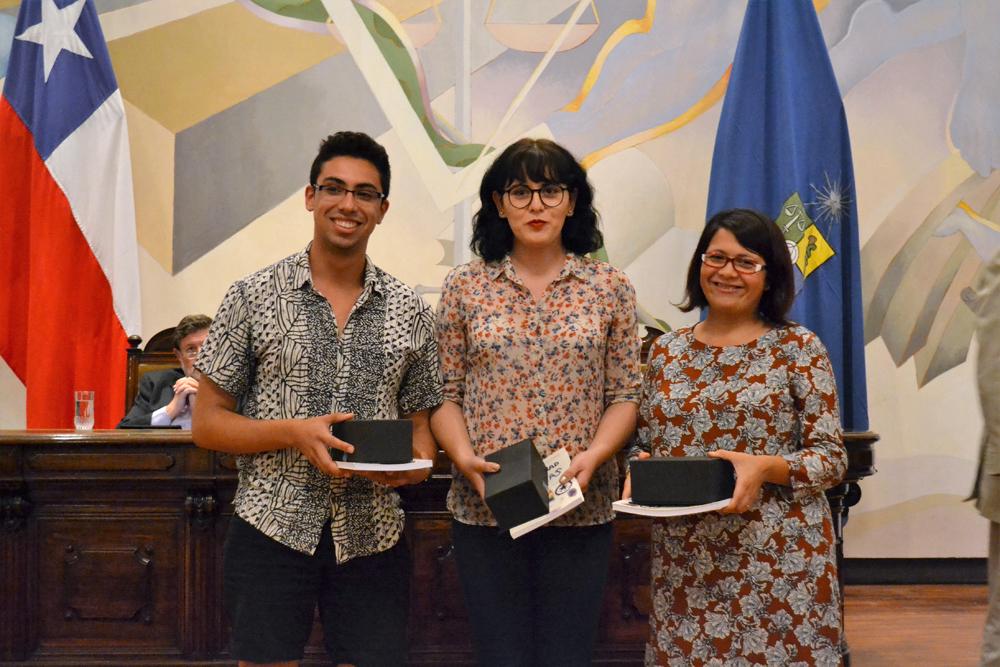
{"x": 274, "y": 346}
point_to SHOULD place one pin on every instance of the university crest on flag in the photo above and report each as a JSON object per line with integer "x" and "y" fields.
{"x": 807, "y": 246}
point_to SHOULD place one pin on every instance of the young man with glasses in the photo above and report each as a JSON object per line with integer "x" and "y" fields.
{"x": 318, "y": 338}
{"x": 165, "y": 398}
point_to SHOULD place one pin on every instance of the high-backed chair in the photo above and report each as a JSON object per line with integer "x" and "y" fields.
{"x": 158, "y": 355}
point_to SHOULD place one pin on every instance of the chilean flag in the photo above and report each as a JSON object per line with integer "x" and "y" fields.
{"x": 69, "y": 271}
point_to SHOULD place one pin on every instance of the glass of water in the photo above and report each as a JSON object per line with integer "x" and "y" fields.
{"x": 83, "y": 410}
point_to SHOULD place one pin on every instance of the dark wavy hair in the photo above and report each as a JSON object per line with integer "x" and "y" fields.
{"x": 352, "y": 144}
{"x": 188, "y": 325}
{"x": 757, "y": 233}
{"x": 542, "y": 161}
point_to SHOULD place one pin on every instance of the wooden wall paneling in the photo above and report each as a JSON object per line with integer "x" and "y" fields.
{"x": 17, "y": 568}
{"x": 439, "y": 626}
{"x": 108, "y": 583}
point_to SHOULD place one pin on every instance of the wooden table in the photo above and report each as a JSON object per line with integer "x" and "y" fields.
{"x": 111, "y": 551}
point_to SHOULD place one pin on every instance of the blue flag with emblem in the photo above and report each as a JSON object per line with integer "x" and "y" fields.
{"x": 783, "y": 149}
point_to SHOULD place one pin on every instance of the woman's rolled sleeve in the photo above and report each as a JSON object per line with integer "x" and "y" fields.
{"x": 821, "y": 461}
{"x": 451, "y": 342}
{"x": 621, "y": 359}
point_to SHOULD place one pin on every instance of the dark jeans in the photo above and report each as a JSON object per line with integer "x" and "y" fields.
{"x": 534, "y": 601}
{"x": 271, "y": 593}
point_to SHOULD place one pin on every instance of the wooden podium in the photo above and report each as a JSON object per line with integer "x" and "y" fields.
{"x": 111, "y": 554}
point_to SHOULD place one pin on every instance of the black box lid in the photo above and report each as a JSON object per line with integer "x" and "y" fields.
{"x": 376, "y": 440}
{"x": 681, "y": 480}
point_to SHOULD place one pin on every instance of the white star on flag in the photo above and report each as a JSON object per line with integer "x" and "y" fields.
{"x": 56, "y": 33}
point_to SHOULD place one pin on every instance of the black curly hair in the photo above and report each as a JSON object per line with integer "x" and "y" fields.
{"x": 541, "y": 161}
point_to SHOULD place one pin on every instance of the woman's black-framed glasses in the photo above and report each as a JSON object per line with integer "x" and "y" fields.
{"x": 550, "y": 194}
{"x": 740, "y": 264}
{"x": 334, "y": 193}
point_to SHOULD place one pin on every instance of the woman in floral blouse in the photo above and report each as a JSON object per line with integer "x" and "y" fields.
{"x": 536, "y": 341}
{"x": 757, "y": 582}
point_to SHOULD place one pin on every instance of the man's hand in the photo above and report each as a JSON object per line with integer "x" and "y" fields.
{"x": 184, "y": 389}
{"x": 312, "y": 437}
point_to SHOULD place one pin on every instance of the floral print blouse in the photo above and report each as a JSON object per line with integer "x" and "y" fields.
{"x": 758, "y": 587}
{"x": 545, "y": 370}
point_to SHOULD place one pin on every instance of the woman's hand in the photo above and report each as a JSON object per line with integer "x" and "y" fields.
{"x": 582, "y": 467}
{"x": 474, "y": 467}
{"x": 751, "y": 473}
{"x": 627, "y": 489}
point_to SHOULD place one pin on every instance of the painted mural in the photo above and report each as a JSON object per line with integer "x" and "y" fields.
{"x": 227, "y": 101}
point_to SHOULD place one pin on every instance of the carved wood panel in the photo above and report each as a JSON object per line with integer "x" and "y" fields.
{"x": 108, "y": 579}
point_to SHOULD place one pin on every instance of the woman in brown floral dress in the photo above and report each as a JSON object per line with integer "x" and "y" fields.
{"x": 755, "y": 583}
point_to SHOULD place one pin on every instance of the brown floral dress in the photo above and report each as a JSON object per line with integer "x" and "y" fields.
{"x": 758, "y": 587}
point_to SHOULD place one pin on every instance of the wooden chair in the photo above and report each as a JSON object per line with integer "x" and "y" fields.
{"x": 158, "y": 355}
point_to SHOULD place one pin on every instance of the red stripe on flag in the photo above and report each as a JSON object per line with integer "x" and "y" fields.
{"x": 59, "y": 330}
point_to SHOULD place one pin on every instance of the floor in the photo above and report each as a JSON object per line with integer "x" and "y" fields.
{"x": 939, "y": 626}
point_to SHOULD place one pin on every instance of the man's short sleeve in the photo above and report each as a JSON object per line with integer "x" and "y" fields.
{"x": 227, "y": 355}
{"x": 421, "y": 386}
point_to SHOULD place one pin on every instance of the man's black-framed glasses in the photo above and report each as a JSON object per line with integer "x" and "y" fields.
{"x": 334, "y": 193}
{"x": 550, "y": 194}
{"x": 740, "y": 264}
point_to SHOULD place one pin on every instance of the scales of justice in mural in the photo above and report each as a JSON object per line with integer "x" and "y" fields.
{"x": 385, "y": 47}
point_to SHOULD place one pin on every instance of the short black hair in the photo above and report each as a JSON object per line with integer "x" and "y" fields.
{"x": 542, "y": 161}
{"x": 758, "y": 233}
{"x": 188, "y": 325}
{"x": 352, "y": 144}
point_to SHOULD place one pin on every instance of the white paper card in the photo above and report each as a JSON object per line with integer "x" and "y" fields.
{"x": 629, "y": 507}
{"x": 562, "y": 497}
{"x": 415, "y": 464}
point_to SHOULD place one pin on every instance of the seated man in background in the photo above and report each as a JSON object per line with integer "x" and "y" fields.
{"x": 165, "y": 397}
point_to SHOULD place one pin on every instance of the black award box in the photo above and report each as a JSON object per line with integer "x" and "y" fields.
{"x": 679, "y": 481}
{"x": 376, "y": 440}
{"x": 519, "y": 492}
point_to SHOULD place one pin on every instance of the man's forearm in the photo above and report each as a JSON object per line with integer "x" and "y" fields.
{"x": 225, "y": 431}
{"x": 216, "y": 425}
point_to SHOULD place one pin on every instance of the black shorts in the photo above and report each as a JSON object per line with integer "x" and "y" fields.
{"x": 271, "y": 592}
